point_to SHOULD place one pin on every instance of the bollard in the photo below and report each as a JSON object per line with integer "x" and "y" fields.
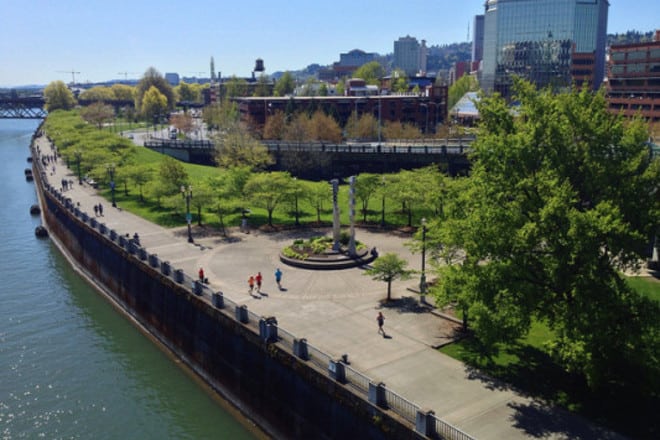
{"x": 142, "y": 253}
{"x": 103, "y": 228}
{"x": 122, "y": 241}
{"x": 113, "y": 234}
{"x": 178, "y": 276}
{"x": 197, "y": 287}
{"x": 165, "y": 267}
{"x": 242, "y": 314}
{"x": 218, "y": 300}
{"x": 337, "y": 370}
{"x": 132, "y": 247}
{"x": 153, "y": 260}
{"x": 424, "y": 423}
{"x": 93, "y": 223}
{"x": 300, "y": 348}
{"x": 377, "y": 394}
{"x": 84, "y": 216}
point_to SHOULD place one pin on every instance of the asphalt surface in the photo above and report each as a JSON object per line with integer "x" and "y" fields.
{"x": 336, "y": 312}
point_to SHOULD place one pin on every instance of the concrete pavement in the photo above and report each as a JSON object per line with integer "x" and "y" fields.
{"x": 336, "y": 312}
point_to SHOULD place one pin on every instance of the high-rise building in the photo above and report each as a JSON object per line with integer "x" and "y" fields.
{"x": 549, "y": 42}
{"x": 478, "y": 39}
{"x": 407, "y": 55}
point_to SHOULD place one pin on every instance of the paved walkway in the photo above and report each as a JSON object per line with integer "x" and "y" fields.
{"x": 336, "y": 312}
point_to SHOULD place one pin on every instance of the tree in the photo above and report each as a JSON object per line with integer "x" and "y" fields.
{"x": 388, "y": 268}
{"x": 366, "y": 185}
{"x": 123, "y": 92}
{"x": 188, "y": 92}
{"x": 324, "y": 128}
{"x": 97, "y": 93}
{"x": 172, "y": 176}
{"x": 285, "y": 85}
{"x": 263, "y": 86}
{"x": 466, "y": 83}
{"x": 563, "y": 196}
{"x": 370, "y": 72}
{"x": 236, "y": 147}
{"x": 399, "y": 130}
{"x": 58, "y": 97}
{"x": 235, "y": 87}
{"x": 154, "y": 104}
{"x": 399, "y": 81}
{"x": 140, "y": 175}
{"x": 268, "y": 190}
{"x": 318, "y": 194}
{"x": 275, "y": 127}
{"x": 153, "y": 78}
{"x": 98, "y": 114}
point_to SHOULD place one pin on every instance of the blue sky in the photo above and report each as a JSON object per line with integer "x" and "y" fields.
{"x": 41, "y": 39}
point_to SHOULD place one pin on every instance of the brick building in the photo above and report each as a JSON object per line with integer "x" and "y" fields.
{"x": 633, "y": 84}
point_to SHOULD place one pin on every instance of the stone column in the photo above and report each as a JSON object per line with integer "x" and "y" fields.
{"x": 336, "y": 233}
{"x": 351, "y": 216}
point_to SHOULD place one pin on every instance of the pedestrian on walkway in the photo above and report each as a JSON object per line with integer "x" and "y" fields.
{"x": 258, "y": 278}
{"x": 201, "y": 275}
{"x": 278, "y": 278}
{"x": 380, "y": 319}
{"x": 251, "y": 284}
{"x": 96, "y": 210}
{"x": 100, "y": 210}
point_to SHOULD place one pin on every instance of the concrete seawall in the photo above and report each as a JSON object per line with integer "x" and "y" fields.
{"x": 286, "y": 395}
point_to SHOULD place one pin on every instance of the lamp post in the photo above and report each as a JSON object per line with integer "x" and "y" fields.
{"x": 186, "y": 193}
{"x": 382, "y": 205}
{"x": 295, "y": 193}
{"x": 111, "y": 173}
{"x": 422, "y": 281}
{"x": 78, "y": 157}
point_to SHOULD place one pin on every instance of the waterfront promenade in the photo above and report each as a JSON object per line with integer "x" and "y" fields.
{"x": 336, "y": 312}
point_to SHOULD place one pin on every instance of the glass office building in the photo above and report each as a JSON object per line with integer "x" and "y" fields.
{"x": 549, "y": 42}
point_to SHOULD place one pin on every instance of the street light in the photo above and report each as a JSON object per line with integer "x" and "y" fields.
{"x": 295, "y": 189}
{"x": 110, "y": 168}
{"x": 382, "y": 211}
{"x": 186, "y": 193}
{"x": 422, "y": 281}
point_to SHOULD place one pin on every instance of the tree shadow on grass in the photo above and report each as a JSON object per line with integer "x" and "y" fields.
{"x": 406, "y": 304}
{"x": 532, "y": 372}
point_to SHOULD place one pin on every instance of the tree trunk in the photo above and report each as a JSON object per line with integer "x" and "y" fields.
{"x": 199, "y": 216}
{"x": 389, "y": 290}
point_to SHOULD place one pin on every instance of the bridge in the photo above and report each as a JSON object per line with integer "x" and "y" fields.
{"x": 14, "y": 106}
{"x": 318, "y": 160}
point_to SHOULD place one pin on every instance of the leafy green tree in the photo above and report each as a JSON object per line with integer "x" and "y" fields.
{"x": 563, "y": 196}
{"x": 188, "y": 92}
{"x": 202, "y": 197}
{"x": 366, "y": 186}
{"x": 398, "y": 130}
{"x": 153, "y": 78}
{"x": 235, "y": 87}
{"x": 323, "y": 128}
{"x": 285, "y": 85}
{"x": 223, "y": 116}
{"x": 58, "y": 97}
{"x": 268, "y": 191}
{"x": 409, "y": 189}
{"x": 370, "y": 72}
{"x": 388, "y": 268}
{"x": 318, "y": 194}
{"x": 97, "y": 93}
{"x": 340, "y": 88}
{"x": 275, "y": 127}
{"x": 172, "y": 176}
{"x": 237, "y": 147}
{"x": 399, "y": 81}
{"x": 140, "y": 175}
{"x": 123, "y": 92}
{"x": 263, "y": 87}
{"x": 465, "y": 84}
{"x": 154, "y": 104}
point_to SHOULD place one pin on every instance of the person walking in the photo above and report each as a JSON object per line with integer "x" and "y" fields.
{"x": 100, "y": 210}
{"x": 278, "y": 278}
{"x": 251, "y": 284}
{"x": 201, "y": 275}
{"x": 96, "y": 210}
{"x": 258, "y": 278}
{"x": 380, "y": 319}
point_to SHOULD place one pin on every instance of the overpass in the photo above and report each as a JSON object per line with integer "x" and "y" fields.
{"x": 318, "y": 160}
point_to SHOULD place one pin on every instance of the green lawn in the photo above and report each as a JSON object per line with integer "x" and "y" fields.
{"x": 527, "y": 366}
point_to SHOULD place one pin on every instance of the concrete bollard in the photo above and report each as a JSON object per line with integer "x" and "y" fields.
{"x": 424, "y": 423}
{"x": 337, "y": 370}
{"x": 122, "y": 241}
{"x": 300, "y": 348}
{"x": 142, "y": 253}
{"x": 178, "y": 276}
{"x": 103, "y": 228}
{"x": 268, "y": 329}
{"x": 218, "y": 300}
{"x": 93, "y": 223}
{"x": 197, "y": 287}
{"x": 153, "y": 260}
{"x": 165, "y": 268}
{"x": 113, "y": 234}
{"x": 84, "y": 217}
{"x": 377, "y": 394}
{"x": 242, "y": 314}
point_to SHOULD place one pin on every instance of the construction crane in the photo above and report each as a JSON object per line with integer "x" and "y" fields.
{"x": 73, "y": 75}
{"x": 126, "y": 74}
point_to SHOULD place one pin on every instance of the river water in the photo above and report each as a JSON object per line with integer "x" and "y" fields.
{"x": 72, "y": 367}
